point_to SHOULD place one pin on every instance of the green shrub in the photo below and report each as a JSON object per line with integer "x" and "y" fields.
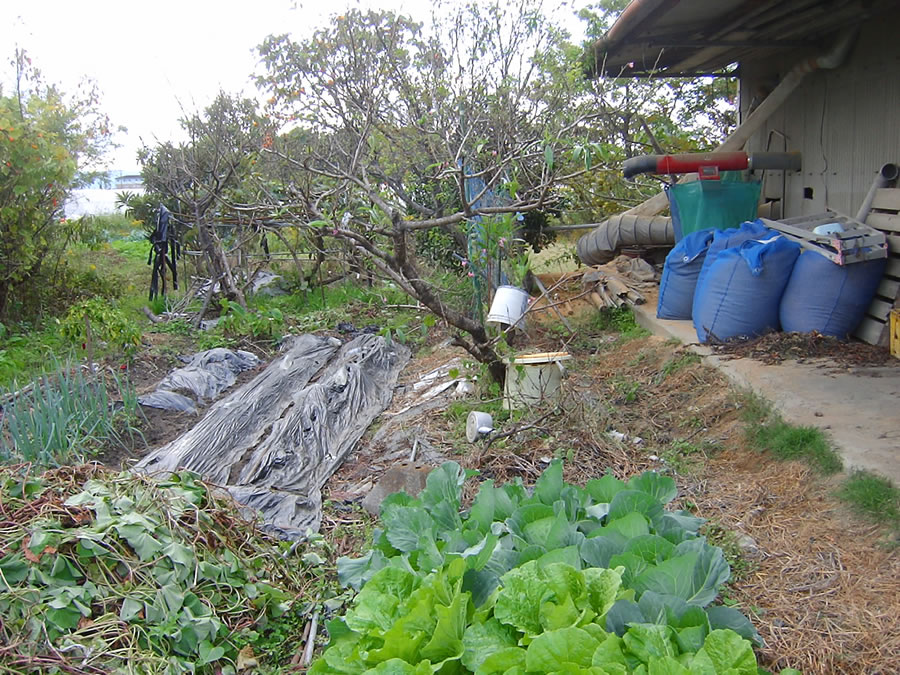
{"x": 108, "y": 324}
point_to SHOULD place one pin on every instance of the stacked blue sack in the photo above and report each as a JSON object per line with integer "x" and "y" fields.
{"x": 739, "y": 292}
{"x": 680, "y": 274}
{"x": 829, "y": 298}
{"x": 725, "y": 239}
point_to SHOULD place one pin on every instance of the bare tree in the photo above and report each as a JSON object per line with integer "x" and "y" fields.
{"x": 200, "y": 176}
{"x": 405, "y": 129}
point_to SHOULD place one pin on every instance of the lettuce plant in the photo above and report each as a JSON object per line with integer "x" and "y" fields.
{"x": 600, "y": 579}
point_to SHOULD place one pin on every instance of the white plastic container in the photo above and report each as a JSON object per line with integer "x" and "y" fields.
{"x": 534, "y": 378}
{"x": 828, "y": 228}
{"x": 478, "y": 424}
{"x": 509, "y": 305}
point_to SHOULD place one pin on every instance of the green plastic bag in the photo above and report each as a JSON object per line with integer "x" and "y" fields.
{"x": 719, "y": 204}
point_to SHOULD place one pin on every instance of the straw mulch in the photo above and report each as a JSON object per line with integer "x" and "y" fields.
{"x": 826, "y": 586}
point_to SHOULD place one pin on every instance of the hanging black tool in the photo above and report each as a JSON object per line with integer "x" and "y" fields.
{"x": 164, "y": 252}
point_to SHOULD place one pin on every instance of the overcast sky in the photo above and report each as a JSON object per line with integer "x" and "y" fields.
{"x": 154, "y": 59}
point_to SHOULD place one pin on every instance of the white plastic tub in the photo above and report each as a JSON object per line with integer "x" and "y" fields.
{"x": 534, "y": 378}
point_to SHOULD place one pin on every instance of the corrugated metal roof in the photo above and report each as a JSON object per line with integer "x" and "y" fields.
{"x": 670, "y": 38}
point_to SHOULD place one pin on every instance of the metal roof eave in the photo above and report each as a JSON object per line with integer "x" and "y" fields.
{"x": 689, "y": 38}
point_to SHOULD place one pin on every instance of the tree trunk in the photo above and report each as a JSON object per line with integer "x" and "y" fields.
{"x": 481, "y": 347}
{"x": 218, "y": 264}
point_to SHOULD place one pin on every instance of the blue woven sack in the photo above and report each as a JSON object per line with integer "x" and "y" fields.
{"x": 828, "y": 298}
{"x": 740, "y": 294}
{"x": 680, "y": 274}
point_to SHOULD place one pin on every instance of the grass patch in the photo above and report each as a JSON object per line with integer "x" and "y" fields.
{"x": 620, "y": 320}
{"x": 766, "y": 431}
{"x": 873, "y": 497}
{"x": 676, "y": 363}
{"x": 24, "y": 352}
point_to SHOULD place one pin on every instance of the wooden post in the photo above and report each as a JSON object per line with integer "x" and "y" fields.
{"x": 89, "y": 344}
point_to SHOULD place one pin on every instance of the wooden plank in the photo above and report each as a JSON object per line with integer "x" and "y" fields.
{"x": 893, "y": 242}
{"x": 871, "y": 331}
{"x": 893, "y": 266}
{"x": 885, "y": 222}
{"x": 880, "y": 308}
{"x": 888, "y": 288}
{"x": 887, "y": 199}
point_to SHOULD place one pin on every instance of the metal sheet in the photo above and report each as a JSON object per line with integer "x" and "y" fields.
{"x": 698, "y": 36}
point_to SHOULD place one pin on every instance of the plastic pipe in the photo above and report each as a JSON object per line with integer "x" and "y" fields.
{"x": 726, "y": 161}
{"x": 600, "y": 245}
{"x": 887, "y": 175}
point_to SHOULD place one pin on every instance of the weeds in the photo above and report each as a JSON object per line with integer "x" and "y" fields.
{"x": 766, "y": 431}
{"x": 236, "y": 322}
{"x": 174, "y": 327}
{"x": 620, "y": 320}
{"x": 873, "y": 497}
{"x": 730, "y": 543}
{"x": 626, "y": 390}
{"x": 676, "y": 363}
{"x": 685, "y": 457}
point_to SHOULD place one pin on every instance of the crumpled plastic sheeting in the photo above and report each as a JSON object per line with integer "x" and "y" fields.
{"x": 274, "y": 442}
{"x": 206, "y": 375}
{"x": 168, "y": 400}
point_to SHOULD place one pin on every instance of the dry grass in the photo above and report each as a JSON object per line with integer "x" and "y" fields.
{"x": 826, "y": 587}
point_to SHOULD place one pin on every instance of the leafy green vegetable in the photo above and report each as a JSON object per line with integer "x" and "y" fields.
{"x": 600, "y": 581}
{"x": 554, "y": 650}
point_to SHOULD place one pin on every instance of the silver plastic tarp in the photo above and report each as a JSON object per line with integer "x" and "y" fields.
{"x": 275, "y": 441}
{"x": 206, "y": 375}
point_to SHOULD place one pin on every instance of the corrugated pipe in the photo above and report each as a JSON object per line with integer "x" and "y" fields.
{"x": 726, "y": 161}
{"x": 887, "y": 175}
{"x": 600, "y": 245}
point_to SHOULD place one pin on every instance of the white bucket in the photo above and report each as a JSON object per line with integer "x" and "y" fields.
{"x": 478, "y": 424}
{"x": 509, "y": 306}
{"x": 534, "y": 378}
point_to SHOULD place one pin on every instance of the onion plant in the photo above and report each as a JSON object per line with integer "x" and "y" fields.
{"x": 64, "y": 416}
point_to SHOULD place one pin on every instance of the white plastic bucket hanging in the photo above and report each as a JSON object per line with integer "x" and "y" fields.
{"x": 509, "y": 306}
{"x": 534, "y": 378}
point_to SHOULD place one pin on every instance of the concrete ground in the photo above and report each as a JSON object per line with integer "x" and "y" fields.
{"x": 859, "y": 407}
